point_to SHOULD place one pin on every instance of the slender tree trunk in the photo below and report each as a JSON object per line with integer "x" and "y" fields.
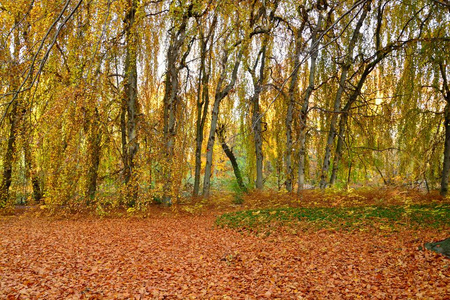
{"x": 29, "y": 161}
{"x": 170, "y": 108}
{"x": 301, "y": 157}
{"x": 292, "y": 94}
{"x": 210, "y": 146}
{"x": 349, "y": 175}
{"x": 9, "y": 156}
{"x": 256, "y": 116}
{"x": 202, "y": 102}
{"x": 380, "y": 55}
{"x": 130, "y": 106}
{"x": 337, "y": 100}
{"x": 123, "y": 132}
{"x": 258, "y": 147}
{"x": 304, "y": 110}
{"x": 338, "y": 153}
{"x": 446, "y": 163}
{"x": 26, "y": 133}
{"x": 237, "y": 172}
{"x": 94, "y": 150}
{"x": 344, "y": 116}
{"x": 202, "y": 106}
{"x": 289, "y": 144}
{"x": 131, "y": 85}
{"x": 219, "y": 96}
{"x": 332, "y": 132}
{"x": 267, "y": 19}
{"x": 172, "y": 100}
{"x": 198, "y": 155}
{"x": 14, "y": 119}
{"x": 35, "y": 180}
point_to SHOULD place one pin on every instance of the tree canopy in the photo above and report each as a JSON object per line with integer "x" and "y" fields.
{"x": 131, "y": 101}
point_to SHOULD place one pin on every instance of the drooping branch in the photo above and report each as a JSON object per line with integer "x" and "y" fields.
{"x": 43, "y": 61}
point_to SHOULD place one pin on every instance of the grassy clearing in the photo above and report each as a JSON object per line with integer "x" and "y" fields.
{"x": 382, "y": 217}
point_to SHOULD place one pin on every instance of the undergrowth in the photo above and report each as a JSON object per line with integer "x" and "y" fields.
{"x": 385, "y": 218}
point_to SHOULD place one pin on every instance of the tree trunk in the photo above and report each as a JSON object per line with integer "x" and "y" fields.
{"x": 198, "y": 148}
{"x": 304, "y": 111}
{"x": 237, "y": 172}
{"x": 220, "y": 94}
{"x": 379, "y": 56}
{"x": 338, "y": 153}
{"x": 29, "y": 165}
{"x": 332, "y": 131}
{"x": 14, "y": 119}
{"x": 123, "y": 132}
{"x": 202, "y": 101}
{"x": 446, "y": 163}
{"x": 130, "y": 107}
{"x": 94, "y": 150}
{"x": 292, "y": 94}
{"x": 9, "y": 156}
{"x": 26, "y": 132}
{"x": 258, "y": 147}
{"x": 209, "y": 147}
{"x": 337, "y": 100}
{"x": 202, "y": 107}
{"x": 171, "y": 102}
{"x": 256, "y": 116}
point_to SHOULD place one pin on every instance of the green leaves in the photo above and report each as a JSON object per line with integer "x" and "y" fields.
{"x": 436, "y": 216}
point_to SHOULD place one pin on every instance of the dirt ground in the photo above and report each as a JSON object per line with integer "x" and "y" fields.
{"x": 186, "y": 257}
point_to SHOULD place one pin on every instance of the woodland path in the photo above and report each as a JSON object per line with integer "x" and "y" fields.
{"x": 186, "y": 257}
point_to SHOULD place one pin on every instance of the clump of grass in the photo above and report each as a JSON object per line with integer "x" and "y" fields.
{"x": 430, "y": 215}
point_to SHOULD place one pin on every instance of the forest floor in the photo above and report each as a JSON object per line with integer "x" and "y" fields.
{"x": 186, "y": 256}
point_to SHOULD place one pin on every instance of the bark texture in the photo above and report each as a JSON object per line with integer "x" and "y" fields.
{"x": 256, "y": 115}
{"x": 129, "y": 104}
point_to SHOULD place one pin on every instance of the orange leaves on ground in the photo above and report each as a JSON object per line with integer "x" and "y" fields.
{"x": 186, "y": 257}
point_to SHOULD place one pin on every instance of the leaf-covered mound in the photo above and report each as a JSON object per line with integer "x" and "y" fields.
{"x": 431, "y": 215}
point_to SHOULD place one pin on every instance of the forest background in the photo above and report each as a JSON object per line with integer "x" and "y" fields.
{"x": 123, "y": 103}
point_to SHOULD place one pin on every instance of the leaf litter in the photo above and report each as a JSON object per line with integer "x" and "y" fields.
{"x": 186, "y": 257}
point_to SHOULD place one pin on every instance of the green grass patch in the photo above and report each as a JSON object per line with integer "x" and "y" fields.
{"x": 431, "y": 215}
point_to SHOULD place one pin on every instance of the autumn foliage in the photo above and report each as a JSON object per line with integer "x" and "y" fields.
{"x": 223, "y": 149}
{"x": 180, "y": 253}
{"x": 185, "y": 257}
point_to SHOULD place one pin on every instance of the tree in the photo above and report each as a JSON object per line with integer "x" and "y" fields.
{"x": 221, "y": 92}
{"x": 446, "y": 164}
{"x": 118, "y": 97}
{"x": 258, "y": 79}
{"x": 220, "y": 131}
{"x": 314, "y": 52}
{"x": 176, "y": 61}
{"x": 14, "y": 117}
{"x": 347, "y": 63}
{"x": 206, "y": 42}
